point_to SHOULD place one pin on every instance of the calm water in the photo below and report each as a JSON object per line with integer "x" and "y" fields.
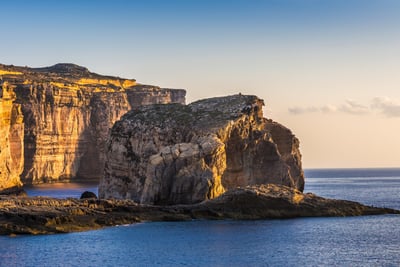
{"x": 61, "y": 190}
{"x": 353, "y": 241}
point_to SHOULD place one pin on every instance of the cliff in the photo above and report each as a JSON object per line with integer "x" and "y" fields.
{"x": 180, "y": 154}
{"x": 11, "y": 138}
{"x": 45, "y": 215}
{"x": 67, "y": 112}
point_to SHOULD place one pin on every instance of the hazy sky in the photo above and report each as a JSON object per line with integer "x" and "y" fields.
{"x": 328, "y": 70}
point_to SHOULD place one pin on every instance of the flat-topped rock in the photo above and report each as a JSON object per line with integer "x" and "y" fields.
{"x": 182, "y": 154}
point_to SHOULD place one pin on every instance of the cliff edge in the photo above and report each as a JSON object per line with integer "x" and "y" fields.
{"x": 182, "y": 154}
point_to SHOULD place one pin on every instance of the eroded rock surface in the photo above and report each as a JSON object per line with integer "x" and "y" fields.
{"x": 38, "y": 215}
{"x": 172, "y": 154}
{"x": 11, "y": 138}
{"x": 67, "y": 113}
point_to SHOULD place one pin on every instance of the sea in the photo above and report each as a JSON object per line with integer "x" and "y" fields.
{"x": 343, "y": 241}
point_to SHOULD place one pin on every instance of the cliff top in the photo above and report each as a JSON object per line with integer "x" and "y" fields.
{"x": 61, "y": 74}
{"x": 211, "y": 113}
{"x": 229, "y": 106}
{"x": 66, "y": 69}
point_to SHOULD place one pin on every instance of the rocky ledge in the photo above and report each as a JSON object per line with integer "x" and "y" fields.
{"x": 38, "y": 215}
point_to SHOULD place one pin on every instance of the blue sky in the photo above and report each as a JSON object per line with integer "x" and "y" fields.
{"x": 326, "y": 69}
{"x": 82, "y": 29}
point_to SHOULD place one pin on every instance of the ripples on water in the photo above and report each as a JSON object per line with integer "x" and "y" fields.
{"x": 377, "y": 187}
{"x": 352, "y": 241}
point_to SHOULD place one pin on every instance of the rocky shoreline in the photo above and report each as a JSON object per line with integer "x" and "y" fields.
{"x": 40, "y": 215}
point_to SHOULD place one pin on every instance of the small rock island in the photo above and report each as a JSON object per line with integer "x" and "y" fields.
{"x": 157, "y": 158}
{"x": 184, "y": 154}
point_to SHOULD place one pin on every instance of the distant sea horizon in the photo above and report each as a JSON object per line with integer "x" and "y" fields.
{"x": 351, "y": 172}
{"x": 349, "y": 168}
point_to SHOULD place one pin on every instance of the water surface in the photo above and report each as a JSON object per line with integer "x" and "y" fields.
{"x": 351, "y": 241}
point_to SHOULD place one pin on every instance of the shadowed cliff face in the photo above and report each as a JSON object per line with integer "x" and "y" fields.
{"x": 172, "y": 154}
{"x": 67, "y": 113}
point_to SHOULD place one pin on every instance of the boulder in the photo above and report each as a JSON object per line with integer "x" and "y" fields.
{"x": 88, "y": 194}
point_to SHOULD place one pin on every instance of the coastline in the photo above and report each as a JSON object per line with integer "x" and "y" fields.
{"x": 41, "y": 215}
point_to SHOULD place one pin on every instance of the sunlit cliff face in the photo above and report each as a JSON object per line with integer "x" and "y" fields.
{"x": 11, "y": 138}
{"x": 64, "y": 113}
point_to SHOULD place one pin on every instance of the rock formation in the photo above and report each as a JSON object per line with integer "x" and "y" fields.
{"x": 11, "y": 138}
{"x": 21, "y": 215}
{"x": 180, "y": 154}
{"x": 67, "y": 113}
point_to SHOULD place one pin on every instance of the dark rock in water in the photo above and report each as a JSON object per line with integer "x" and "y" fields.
{"x": 14, "y": 191}
{"x": 184, "y": 154}
{"x": 41, "y": 215}
{"x": 88, "y": 194}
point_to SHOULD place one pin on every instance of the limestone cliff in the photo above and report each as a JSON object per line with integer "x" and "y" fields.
{"x": 173, "y": 154}
{"x": 11, "y": 138}
{"x": 67, "y": 112}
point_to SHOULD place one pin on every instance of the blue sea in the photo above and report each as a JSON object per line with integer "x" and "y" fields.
{"x": 351, "y": 241}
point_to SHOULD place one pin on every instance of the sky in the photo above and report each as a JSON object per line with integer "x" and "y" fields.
{"x": 328, "y": 70}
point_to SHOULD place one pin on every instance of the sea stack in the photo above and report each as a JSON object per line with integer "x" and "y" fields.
{"x": 183, "y": 154}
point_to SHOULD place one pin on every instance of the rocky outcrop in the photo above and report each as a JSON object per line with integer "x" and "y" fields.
{"x": 11, "y": 139}
{"x": 45, "y": 215}
{"x": 67, "y": 112}
{"x": 174, "y": 154}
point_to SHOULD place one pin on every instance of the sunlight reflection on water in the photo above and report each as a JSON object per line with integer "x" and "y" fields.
{"x": 61, "y": 190}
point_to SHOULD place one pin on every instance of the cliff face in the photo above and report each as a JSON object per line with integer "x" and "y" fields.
{"x": 67, "y": 113}
{"x": 172, "y": 154}
{"x": 11, "y": 138}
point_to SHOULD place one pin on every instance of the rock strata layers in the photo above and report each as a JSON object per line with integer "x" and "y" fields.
{"x": 63, "y": 115}
{"x": 181, "y": 154}
{"x": 11, "y": 138}
{"x": 21, "y": 215}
